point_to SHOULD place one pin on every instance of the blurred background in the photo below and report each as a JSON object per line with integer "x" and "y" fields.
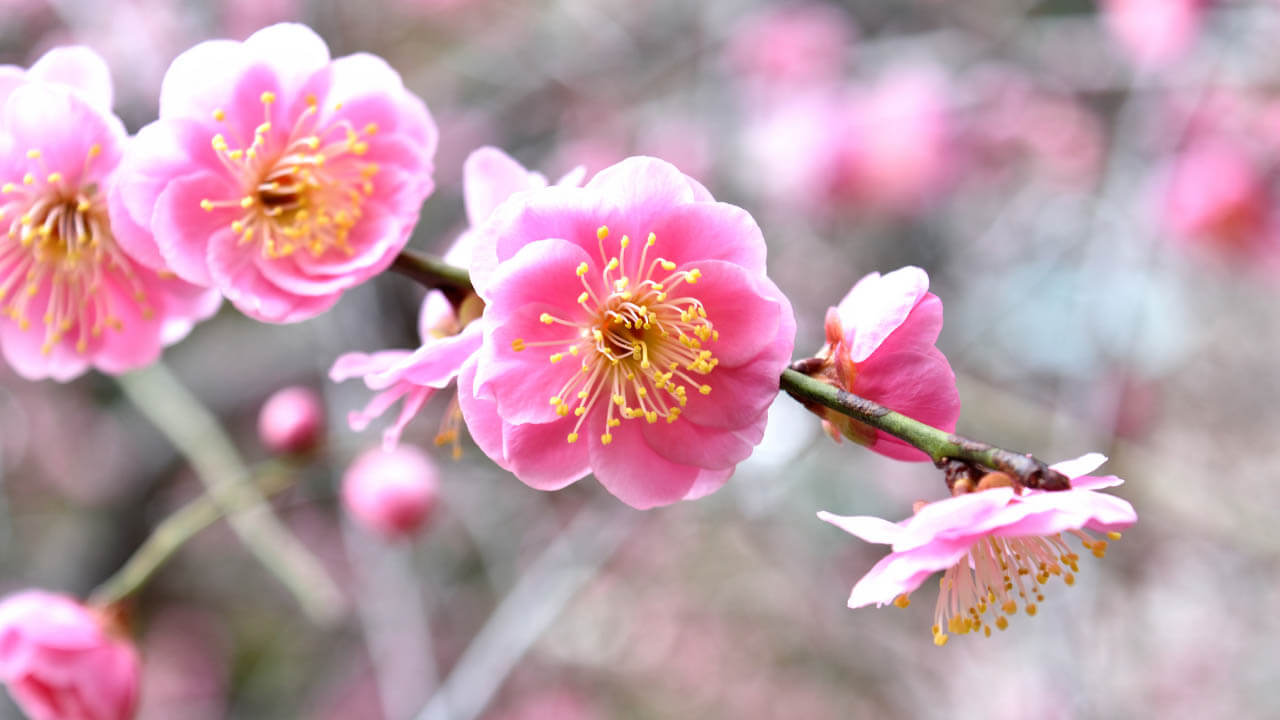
{"x": 1092, "y": 187}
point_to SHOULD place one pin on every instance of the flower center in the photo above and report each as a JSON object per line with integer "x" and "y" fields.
{"x": 58, "y": 254}
{"x": 1000, "y": 572}
{"x": 640, "y": 344}
{"x": 304, "y": 187}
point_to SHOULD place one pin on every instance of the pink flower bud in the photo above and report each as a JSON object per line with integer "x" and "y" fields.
{"x": 291, "y": 420}
{"x": 391, "y": 491}
{"x": 61, "y": 661}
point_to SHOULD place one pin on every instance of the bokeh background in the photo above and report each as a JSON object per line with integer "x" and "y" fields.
{"x": 1093, "y": 190}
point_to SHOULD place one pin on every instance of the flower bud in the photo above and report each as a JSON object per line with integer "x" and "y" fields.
{"x": 391, "y": 491}
{"x": 63, "y": 661}
{"x": 291, "y": 420}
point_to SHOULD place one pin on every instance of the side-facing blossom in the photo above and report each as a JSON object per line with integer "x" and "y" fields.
{"x": 630, "y": 331}
{"x": 449, "y": 335}
{"x": 276, "y": 175}
{"x": 880, "y": 345}
{"x": 71, "y": 296}
{"x": 61, "y": 660}
{"x": 997, "y": 547}
{"x": 391, "y": 492}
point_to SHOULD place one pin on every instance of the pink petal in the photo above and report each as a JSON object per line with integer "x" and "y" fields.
{"x": 294, "y": 51}
{"x": 642, "y": 190}
{"x": 630, "y": 469}
{"x": 480, "y": 415}
{"x": 868, "y": 528}
{"x": 541, "y": 455}
{"x": 523, "y": 382}
{"x": 710, "y": 448}
{"x": 697, "y": 232}
{"x": 490, "y": 176}
{"x": 438, "y": 361}
{"x": 877, "y": 305}
{"x": 708, "y": 482}
{"x": 233, "y": 270}
{"x": 182, "y": 229}
{"x": 745, "y": 308}
{"x": 1082, "y": 465}
{"x": 918, "y": 385}
{"x": 195, "y": 83}
{"x": 352, "y": 365}
{"x": 79, "y": 68}
{"x": 63, "y": 127}
{"x": 904, "y": 572}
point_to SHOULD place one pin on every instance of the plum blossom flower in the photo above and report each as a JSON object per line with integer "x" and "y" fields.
{"x": 630, "y": 330}
{"x": 996, "y": 547}
{"x": 71, "y": 297}
{"x": 449, "y": 336}
{"x": 1215, "y": 193}
{"x": 276, "y": 175}
{"x": 880, "y": 345}
{"x": 391, "y": 491}
{"x": 291, "y": 420}
{"x": 62, "y": 661}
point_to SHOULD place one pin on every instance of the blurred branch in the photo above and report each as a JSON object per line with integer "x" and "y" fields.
{"x": 196, "y": 433}
{"x": 537, "y": 599}
{"x": 175, "y": 530}
{"x": 941, "y": 446}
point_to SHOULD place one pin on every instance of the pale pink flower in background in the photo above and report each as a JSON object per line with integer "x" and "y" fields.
{"x": 449, "y": 337}
{"x": 291, "y": 420}
{"x": 391, "y": 492}
{"x": 997, "y": 546}
{"x": 1215, "y": 192}
{"x": 795, "y": 46}
{"x": 630, "y": 331}
{"x": 880, "y": 345}
{"x": 275, "y": 174}
{"x": 61, "y": 660}
{"x": 1154, "y": 32}
{"x": 71, "y": 295}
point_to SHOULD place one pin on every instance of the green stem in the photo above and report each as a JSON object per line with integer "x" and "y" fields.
{"x": 940, "y": 445}
{"x": 174, "y": 531}
{"x": 199, "y": 437}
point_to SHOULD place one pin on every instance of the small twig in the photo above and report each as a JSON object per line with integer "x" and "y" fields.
{"x": 938, "y": 444}
{"x": 434, "y": 273}
{"x": 174, "y": 531}
{"x": 196, "y": 433}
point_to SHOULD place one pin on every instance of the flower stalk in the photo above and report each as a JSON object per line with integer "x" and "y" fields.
{"x": 944, "y": 448}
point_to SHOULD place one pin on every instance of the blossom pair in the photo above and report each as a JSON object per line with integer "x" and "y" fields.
{"x": 274, "y": 177}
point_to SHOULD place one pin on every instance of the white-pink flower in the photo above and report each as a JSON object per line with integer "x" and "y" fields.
{"x": 449, "y": 335}
{"x": 630, "y": 332}
{"x": 880, "y": 345}
{"x": 71, "y": 296}
{"x": 997, "y": 547}
{"x": 62, "y": 661}
{"x": 276, "y": 175}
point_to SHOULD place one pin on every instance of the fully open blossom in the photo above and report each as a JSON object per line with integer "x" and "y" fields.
{"x": 275, "y": 174}
{"x": 71, "y": 296}
{"x": 996, "y": 546}
{"x": 61, "y": 661}
{"x": 449, "y": 335}
{"x": 880, "y": 345}
{"x": 630, "y": 331}
{"x": 391, "y": 491}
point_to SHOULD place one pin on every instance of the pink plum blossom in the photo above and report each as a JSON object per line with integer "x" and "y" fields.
{"x": 1216, "y": 193}
{"x": 291, "y": 420}
{"x": 276, "y": 175}
{"x": 630, "y": 331}
{"x": 997, "y": 546}
{"x": 71, "y": 295}
{"x": 391, "y": 491}
{"x": 1154, "y": 32}
{"x": 449, "y": 336}
{"x": 789, "y": 47}
{"x": 62, "y": 661}
{"x": 880, "y": 345}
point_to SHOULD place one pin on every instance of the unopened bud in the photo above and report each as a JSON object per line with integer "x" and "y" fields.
{"x": 291, "y": 420}
{"x": 391, "y": 492}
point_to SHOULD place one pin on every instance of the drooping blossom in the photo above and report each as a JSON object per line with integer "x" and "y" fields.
{"x": 449, "y": 335}
{"x": 880, "y": 345}
{"x": 1154, "y": 32}
{"x": 291, "y": 420}
{"x": 391, "y": 491}
{"x": 62, "y": 660}
{"x": 630, "y": 331}
{"x": 998, "y": 547}
{"x": 70, "y": 294}
{"x": 276, "y": 175}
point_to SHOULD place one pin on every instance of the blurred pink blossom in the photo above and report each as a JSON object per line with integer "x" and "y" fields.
{"x": 62, "y": 661}
{"x": 391, "y": 491}
{"x": 449, "y": 336}
{"x": 633, "y": 314}
{"x": 788, "y": 47}
{"x": 991, "y": 543}
{"x": 275, "y": 174}
{"x": 1216, "y": 193}
{"x": 72, "y": 296}
{"x": 291, "y": 420}
{"x": 1154, "y": 32}
{"x": 880, "y": 345}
